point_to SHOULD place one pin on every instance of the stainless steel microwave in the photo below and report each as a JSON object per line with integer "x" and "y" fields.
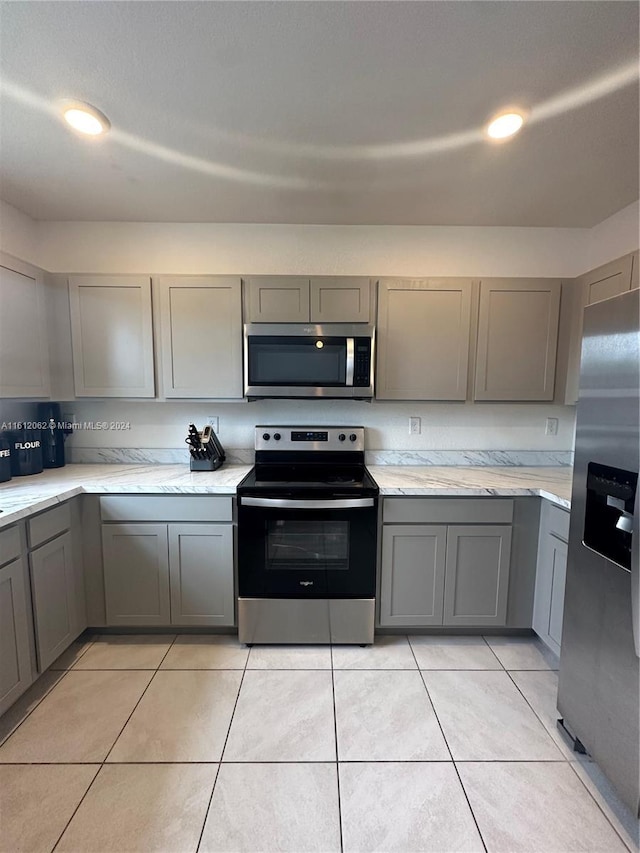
{"x": 307, "y": 360}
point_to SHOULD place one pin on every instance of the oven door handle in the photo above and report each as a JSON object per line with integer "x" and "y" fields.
{"x": 289, "y": 503}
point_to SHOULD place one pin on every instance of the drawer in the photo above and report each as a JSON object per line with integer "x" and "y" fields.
{"x": 447, "y": 511}
{"x": 161, "y": 508}
{"x": 9, "y": 544}
{"x": 49, "y": 524}
{"x": 558, "y": 522}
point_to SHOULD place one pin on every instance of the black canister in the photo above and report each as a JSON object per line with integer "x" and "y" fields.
{"x": 26, "y": 452}
{"x": 5, "y": 458}
{"x": 52, "y": 435}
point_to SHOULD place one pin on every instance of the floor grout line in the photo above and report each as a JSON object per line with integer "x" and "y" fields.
{"x": 104, "y": 760}
{"x": 335, "y": 734}
{"x": 224, "y": 746}
{"x": 448, "y": 747}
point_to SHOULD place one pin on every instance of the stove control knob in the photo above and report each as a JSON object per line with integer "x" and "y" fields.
{"x": 277, "y": 436}
{"x": 341, "y": 437}
{"x": 353, "y": 436}
{"x": 266, "y": 436}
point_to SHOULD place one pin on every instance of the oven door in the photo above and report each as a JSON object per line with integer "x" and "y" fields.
{"x": 318, "y": 548}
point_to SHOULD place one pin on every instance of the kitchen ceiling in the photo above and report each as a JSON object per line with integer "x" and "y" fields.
{"x": 321, "y": 112}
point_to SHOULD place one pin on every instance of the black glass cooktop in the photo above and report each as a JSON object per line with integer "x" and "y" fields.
{"x": 330, "y": 478}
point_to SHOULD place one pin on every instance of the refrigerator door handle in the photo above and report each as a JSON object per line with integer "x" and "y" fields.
{"x": 635, "y": 574}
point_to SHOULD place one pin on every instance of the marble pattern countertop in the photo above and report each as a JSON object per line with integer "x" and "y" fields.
{"x": 24, "y": 496}
{"x": 554, "y": 484}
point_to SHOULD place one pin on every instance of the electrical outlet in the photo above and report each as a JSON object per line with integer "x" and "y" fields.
{"x": 415, "y": 426}
{"x": 551, "y": 427}
{"x": 214, "y": 423}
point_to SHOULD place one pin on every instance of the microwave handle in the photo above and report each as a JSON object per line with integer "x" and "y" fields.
{"x": 350, "y": 362}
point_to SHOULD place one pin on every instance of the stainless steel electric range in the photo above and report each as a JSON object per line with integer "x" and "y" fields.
{"x": 307, "y": 531}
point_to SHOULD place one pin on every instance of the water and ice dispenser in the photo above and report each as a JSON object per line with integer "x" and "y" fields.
{"x": 608, "y": 521}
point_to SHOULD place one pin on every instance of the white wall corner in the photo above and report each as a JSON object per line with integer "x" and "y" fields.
{"x": 18, "y": 234}
{"x": 615, "y": 236}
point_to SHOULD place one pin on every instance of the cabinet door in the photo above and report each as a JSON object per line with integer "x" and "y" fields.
{"x": 517, "y": 339}
{"x": 635, "y": 271}
{"x": 53, "y": 585}
{"x": 201, "y": 574}
{"x": 201, "y": 336}
{"x": 277, "y": 299}
{"x": 24, "y": 356}
{"x": 423, "y": 339}
{"x": 556, "y": 609}
{"x": 412, "y": 581}
{"x": 550, "y": 580}
{"x": 15, "y": 663}
{"x": 608, "y": 280}
{"x": 111, "y": 333}
{"x": 340, "y": 300}
{"x": 477, "y": 575}
{"x": 136, "y": 574}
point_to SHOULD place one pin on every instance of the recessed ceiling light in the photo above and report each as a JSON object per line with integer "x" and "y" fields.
{"x": 85, "y": 118}
{"x": 505, "y": 125}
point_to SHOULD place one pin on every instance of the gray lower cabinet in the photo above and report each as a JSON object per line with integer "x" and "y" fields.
{"x": 168, "y": 574}
{"x": 136, "y": 574}
{"x": 15, "y": 661}
{"x": 477, "y": 575}
{"x": 53, "y": 586}
{"x": 201, "y": 576}
{"x": 438, "y": 574}
{"x": 413, "y": 571}
{"x": 551, "y": 573}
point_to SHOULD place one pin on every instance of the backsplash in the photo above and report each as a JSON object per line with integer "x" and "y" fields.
{"x": 451, "y": 433}
{"x": 239, "y": 456}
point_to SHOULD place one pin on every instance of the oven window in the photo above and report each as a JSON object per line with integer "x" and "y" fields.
{"x": 307, "y": 545}
{"x": 297, "y": 361}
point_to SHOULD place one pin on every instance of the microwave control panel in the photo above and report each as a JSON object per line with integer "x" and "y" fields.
{"x": 362, "y": 366}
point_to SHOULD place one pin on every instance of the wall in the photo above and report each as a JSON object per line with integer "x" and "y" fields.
{"x": 18, "y": 234}
{"x": 131, "y": 247}
{"x": 445, "y": 426}
{"x": 616, "y": 236}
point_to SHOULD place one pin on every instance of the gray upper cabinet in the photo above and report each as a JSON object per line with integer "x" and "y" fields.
{"x": 517, "y": 339}
{"x": 293, "y": 299}
{"x": 112, "y": 336}
{"x": 608, "y": 280}
{"x": 136, "y": 574}
{"x": 15, "y": 662}
{"x": 340, "y": 300}
{"x": 200, "y": 336}
{"x": 24, "y": 356}
{"x": 277, "y": 299}
{"x": 53, "y": 585}
{"x": 412, "y": 575}
{"x": 201, "y": 576}
{"x": 423, "y": 339}
{"x": 601, "y": 283}
{"x": 477, "y": 577}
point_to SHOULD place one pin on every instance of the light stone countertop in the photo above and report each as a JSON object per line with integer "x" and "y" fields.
{"x": 23, "y": 496}
{"x": 554, "y": 484}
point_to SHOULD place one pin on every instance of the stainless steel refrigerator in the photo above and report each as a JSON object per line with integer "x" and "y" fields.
{"x": 598, "y": 693}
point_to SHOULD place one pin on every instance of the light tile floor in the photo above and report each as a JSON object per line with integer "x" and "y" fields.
{"x": 194, "y": 743}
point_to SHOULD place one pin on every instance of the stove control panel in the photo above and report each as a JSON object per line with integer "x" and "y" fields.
{"x": 268, "y": 437}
